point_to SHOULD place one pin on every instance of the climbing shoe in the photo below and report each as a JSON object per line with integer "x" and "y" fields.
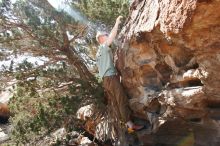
{"x": 136, "y": 128}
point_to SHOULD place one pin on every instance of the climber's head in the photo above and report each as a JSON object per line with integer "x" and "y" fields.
{"x": 101, "y": 37}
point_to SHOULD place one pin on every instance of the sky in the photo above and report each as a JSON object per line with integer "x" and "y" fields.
{"x": 62, "y": 5}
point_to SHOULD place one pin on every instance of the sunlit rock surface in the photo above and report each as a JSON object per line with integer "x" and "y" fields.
{"x": 85, "y": 112}
{"x": 171, "y": 51}
{"x": 72, "y": 139}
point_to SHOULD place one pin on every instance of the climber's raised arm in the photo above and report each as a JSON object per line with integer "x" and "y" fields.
{"x": 108, "y": 73}
{"x": 114, "y": 31}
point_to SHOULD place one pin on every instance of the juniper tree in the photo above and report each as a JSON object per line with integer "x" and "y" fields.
{"x": 47, "y": 96}
{"x": 105, "y": 11}
{"x": 35, "y": 27}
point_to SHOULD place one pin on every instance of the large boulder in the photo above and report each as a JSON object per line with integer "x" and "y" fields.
{"x": 171, "y": 51}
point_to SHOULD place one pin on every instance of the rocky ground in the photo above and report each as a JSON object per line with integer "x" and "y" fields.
{"x": 4, "y": 132}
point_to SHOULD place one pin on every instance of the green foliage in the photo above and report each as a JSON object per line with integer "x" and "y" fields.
{"x": 44, "y": 26}
{"x": 104, "y": 10}
{"x": 41, "y": 105}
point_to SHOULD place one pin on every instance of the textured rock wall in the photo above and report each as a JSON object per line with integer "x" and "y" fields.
{"x": 171, "y": 50}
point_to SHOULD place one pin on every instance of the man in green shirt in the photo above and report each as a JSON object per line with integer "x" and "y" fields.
{"x": 108, "y": 73}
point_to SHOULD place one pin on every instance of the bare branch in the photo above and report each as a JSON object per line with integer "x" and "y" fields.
{"x": 80, "y": 34}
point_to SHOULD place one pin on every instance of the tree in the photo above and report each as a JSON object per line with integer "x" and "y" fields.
{"x": 44, "y": 31}
{"x": 48, "y": 99}
{"x": 36, "y": 28}
{"x": 45, "y": 94}
{"x": 105, "y": 11}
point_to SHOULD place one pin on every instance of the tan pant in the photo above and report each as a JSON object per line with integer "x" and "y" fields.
{"x": 117, "y": 96}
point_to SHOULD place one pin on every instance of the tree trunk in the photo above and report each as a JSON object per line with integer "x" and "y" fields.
{"x": 77, "y": 62}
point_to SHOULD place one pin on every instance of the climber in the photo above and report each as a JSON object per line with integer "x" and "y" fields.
{"x": 108, "y": 73}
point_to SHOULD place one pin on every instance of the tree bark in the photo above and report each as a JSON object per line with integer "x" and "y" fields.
{"x": 77, "y": 62}
{"x": 66, "y": 49}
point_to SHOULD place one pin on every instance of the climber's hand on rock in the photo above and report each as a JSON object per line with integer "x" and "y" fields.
{"x": 113, "y": 32}
{"x": 118, "y": 20}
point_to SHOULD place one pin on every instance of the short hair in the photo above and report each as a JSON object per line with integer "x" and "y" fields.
{"x": 100, "y": 33}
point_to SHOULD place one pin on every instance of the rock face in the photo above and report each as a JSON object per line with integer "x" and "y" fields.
{"x": 171, "y": 51}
